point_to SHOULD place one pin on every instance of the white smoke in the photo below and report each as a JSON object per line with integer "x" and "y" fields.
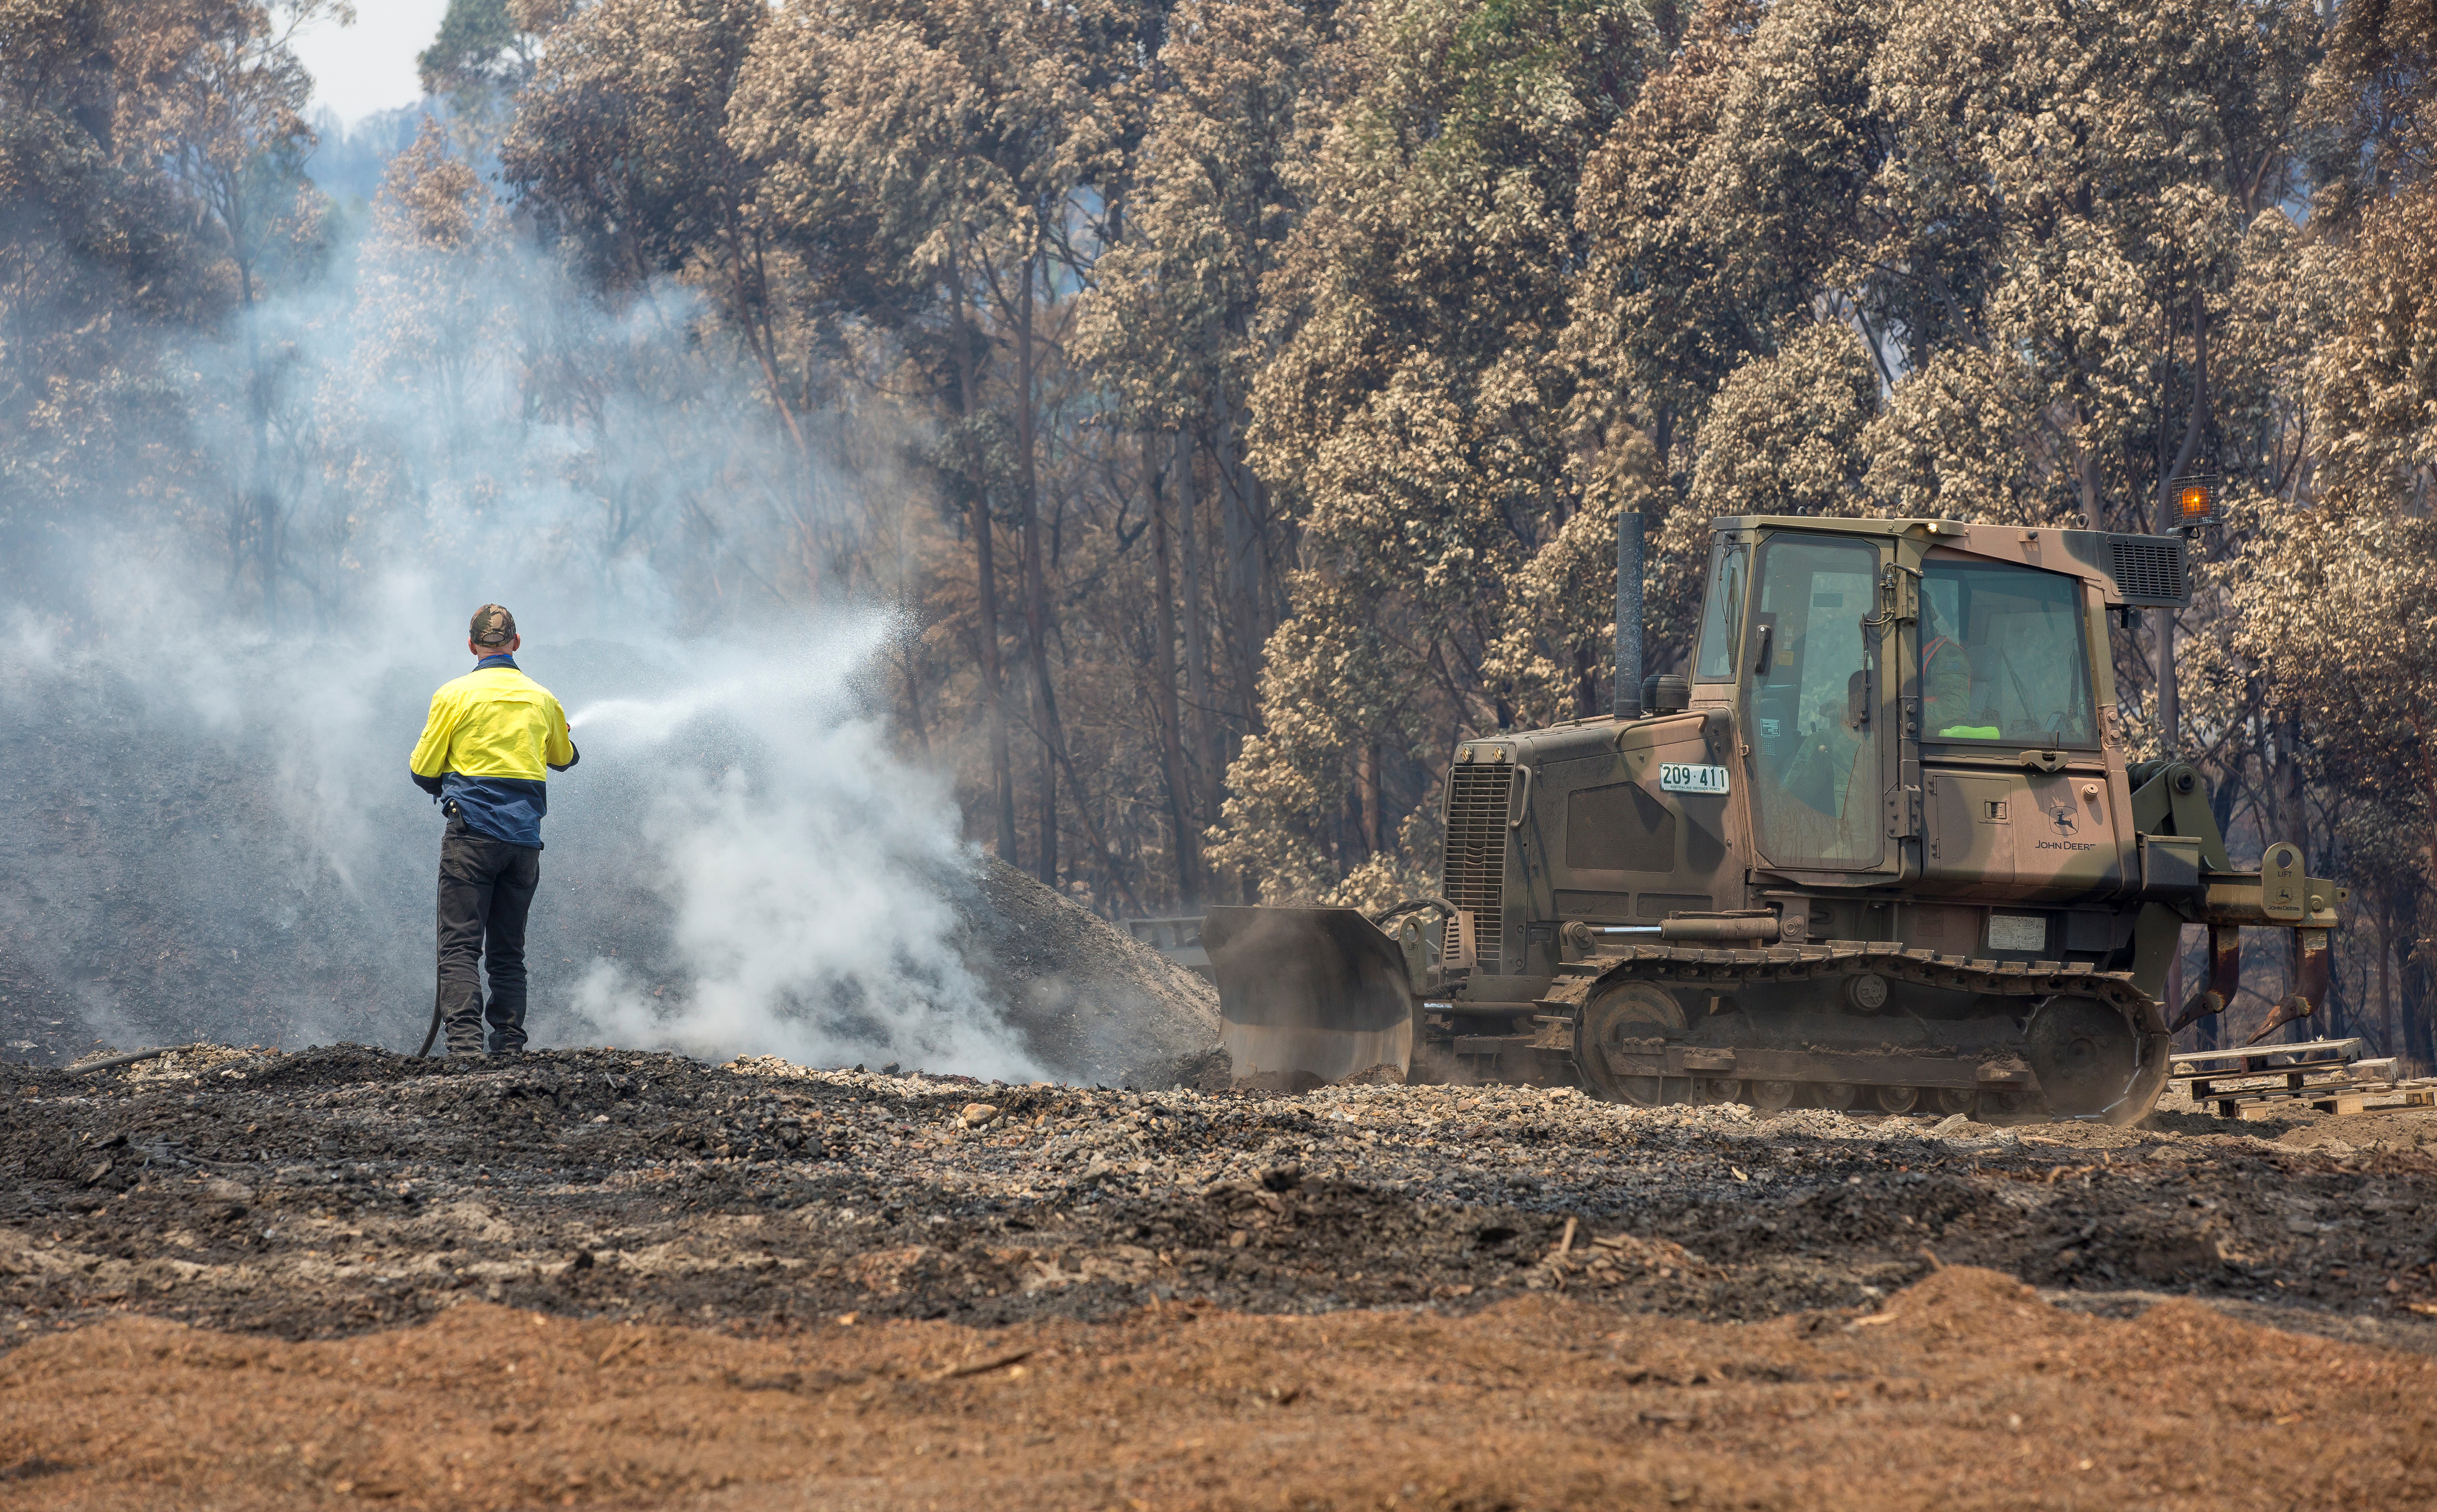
{"x": 801, "y": 867}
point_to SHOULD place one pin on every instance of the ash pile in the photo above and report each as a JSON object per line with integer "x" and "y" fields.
{"x": 1095, "y": 1005}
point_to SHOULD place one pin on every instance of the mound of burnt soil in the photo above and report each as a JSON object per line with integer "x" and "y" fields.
{"x": 161, "y": 880}
{"x": 166, "y": 878}
{"x": 1094, "y": 1004}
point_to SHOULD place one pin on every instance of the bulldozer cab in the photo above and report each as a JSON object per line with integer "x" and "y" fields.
{"x": 1863, "y": 659}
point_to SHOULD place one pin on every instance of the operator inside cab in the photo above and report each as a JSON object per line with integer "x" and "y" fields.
{"x": 2003, "y": 655}
{"x": 1946, "y": 681}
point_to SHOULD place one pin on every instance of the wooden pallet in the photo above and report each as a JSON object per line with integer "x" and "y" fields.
{"x": 2356, "y": 1097}
{"x": 2368, "y": 1097}
{"x": 2293, "y": 1083}
{"x": 2256, "y": 1075}
{"x": 2373, "y": 1091}
{"x": 2252, "y": 1060}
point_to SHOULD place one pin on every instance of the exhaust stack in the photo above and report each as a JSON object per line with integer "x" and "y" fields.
{"x": 1628, "y": 614}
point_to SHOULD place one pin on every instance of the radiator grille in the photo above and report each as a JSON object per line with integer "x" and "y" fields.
{"x": 2149, "y": 570}
{"x": 1476, "y": 857}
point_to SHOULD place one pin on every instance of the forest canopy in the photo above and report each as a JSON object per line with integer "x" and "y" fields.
{"x": 1235, "y": 399}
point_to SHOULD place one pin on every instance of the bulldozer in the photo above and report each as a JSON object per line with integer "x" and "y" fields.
{"x": 1876, "y": 847}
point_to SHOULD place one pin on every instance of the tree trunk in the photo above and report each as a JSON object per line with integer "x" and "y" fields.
{"x": 260, "y": 501}
{"x": 2386, "y": 984}
{"x": 2418, "y": 1030}
{"x": 2169, "y": 716}
{"x": 2169, "y": 518}
{"x": 2294, "y": 813}
{"x": 2169, "y": 706}
{"x": 1036, "y": 591}
{"x": 908, "y": 674}
{"x": 1197, "y": 633}
{"x": 1171, "y": 738}
{"x": 2171, "y": 711}
{"x": 986, "y": 600}
{"x": 1240, "y": 533}
{"x": 1366, "y": 787}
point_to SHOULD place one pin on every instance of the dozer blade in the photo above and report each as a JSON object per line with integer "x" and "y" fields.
{"x": 1314, "y": 993}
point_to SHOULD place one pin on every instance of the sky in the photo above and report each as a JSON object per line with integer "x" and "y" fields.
{"x": 370, "y": 65}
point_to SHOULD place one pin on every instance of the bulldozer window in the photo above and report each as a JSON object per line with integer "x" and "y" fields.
{"x": 1722, "y": 616}
{"x": 2002, "y": 655}
{"x": 1815, "y": 754}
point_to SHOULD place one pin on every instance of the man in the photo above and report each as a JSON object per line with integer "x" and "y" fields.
{"x": 1946, "y": 683}
{"x": 484, "y": 746}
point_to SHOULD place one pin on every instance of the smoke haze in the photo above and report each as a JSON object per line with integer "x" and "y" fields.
{"x": 208, "y": 698}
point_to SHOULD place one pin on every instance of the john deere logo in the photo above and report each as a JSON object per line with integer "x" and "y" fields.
{"x": 2065, "y": 822}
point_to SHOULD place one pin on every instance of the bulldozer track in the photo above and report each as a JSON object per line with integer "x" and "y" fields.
{"x": 1690, "y": 1070}
{"x": 1688, "y": 965}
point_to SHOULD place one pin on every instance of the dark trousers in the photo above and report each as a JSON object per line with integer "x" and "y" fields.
{"x": 487, "y": 888}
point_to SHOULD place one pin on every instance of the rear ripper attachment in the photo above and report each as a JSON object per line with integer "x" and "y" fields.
{"x": 1877, "y": 846}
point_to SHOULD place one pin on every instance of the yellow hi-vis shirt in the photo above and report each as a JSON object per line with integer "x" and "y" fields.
{"x": 491, "y": 738}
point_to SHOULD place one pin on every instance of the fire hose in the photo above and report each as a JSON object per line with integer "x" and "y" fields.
{"x": 86, "y": 1068}
{"x": 449, "y": 807}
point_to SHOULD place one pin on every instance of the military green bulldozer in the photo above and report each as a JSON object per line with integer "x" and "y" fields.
{"x": 1878, "y": 847}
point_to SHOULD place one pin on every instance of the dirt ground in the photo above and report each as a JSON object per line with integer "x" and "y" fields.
{"x": 236, "y": 1279}
{"x": 1965, "y": 1390}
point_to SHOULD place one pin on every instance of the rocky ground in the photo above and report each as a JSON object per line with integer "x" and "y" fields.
{"x": 330, "y": 1192}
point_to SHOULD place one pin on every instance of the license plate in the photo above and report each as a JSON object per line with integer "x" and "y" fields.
{"x": 1676, "y": 776}
{"x": 2017, "y": 931}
